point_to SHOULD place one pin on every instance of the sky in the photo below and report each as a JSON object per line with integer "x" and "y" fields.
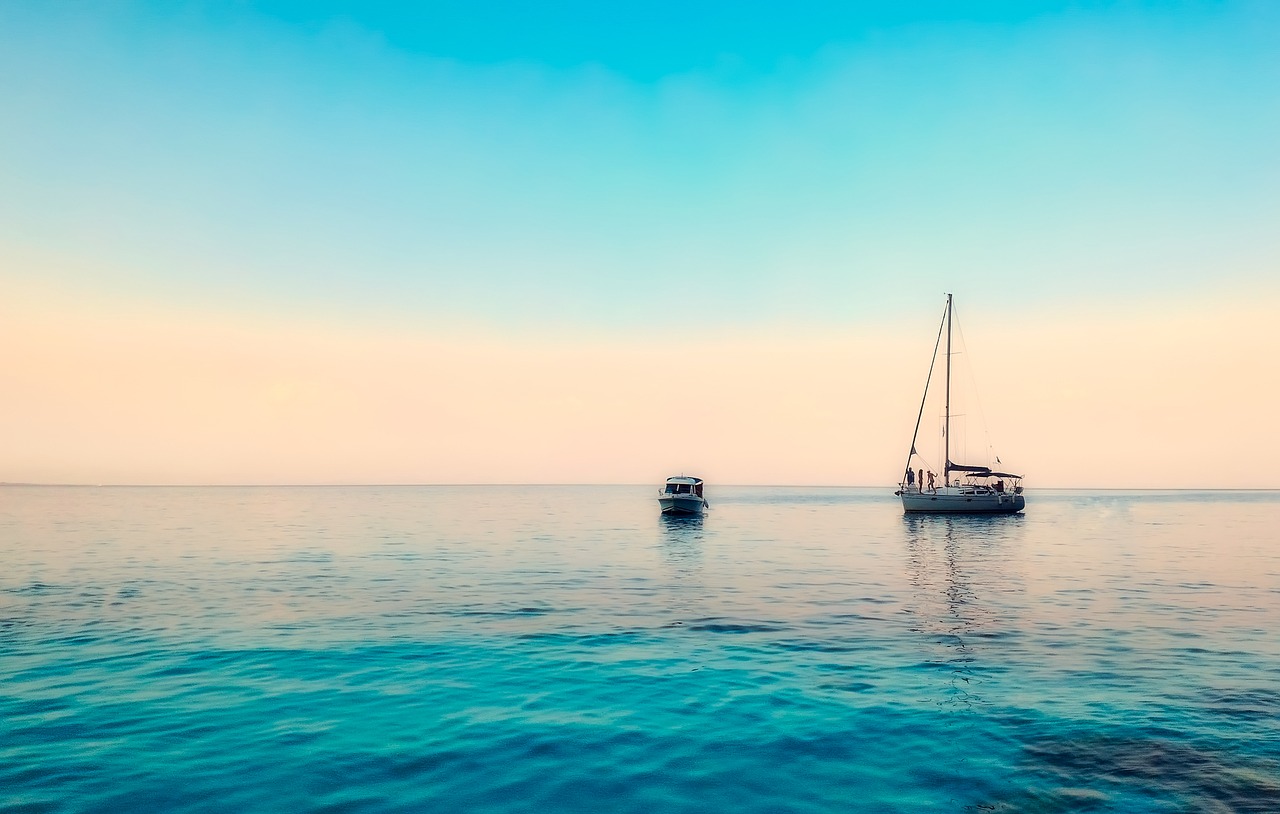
{"x": 326, "y": 242}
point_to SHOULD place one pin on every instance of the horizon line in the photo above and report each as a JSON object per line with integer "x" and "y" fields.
{"x": 508, "y": 484}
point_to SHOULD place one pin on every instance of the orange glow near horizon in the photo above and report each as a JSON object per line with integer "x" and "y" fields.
{"x": 1161, "y": 399}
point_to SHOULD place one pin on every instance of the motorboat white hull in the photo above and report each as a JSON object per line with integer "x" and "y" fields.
{"x": 682, "y": 504}
{"x": 961, "y": 500}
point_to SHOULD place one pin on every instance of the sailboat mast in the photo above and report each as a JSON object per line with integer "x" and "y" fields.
{"x": 946, "y": 427}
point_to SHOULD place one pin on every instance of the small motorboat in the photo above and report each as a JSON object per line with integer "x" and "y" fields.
{"x": 682, "y": 496}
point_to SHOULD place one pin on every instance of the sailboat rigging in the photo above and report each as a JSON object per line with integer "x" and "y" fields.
{"x": 977, "y": 489}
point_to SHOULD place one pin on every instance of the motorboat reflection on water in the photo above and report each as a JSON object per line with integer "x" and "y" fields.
{"x": 682, "y": 496}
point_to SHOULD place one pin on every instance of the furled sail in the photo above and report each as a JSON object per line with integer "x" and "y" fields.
{"x": 962, "y": 468}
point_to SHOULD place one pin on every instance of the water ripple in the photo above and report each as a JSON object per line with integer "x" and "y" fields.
{"x": 521, "y": 649}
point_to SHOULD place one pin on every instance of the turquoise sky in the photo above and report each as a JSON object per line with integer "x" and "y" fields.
{"x": 563, "y": 166}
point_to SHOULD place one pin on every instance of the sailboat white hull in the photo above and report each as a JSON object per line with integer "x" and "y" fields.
{"x": 961, "y": 501}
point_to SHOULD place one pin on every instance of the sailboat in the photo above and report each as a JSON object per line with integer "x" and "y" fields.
{"x": 965, "y": 489}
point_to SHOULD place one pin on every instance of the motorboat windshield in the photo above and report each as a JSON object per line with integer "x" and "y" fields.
{"x": 684, "y": 486}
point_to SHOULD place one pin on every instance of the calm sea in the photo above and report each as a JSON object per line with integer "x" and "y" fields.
{"x": 566, "y": 649}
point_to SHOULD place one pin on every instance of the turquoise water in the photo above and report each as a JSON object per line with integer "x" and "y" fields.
{"x": 520, "y": 649}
